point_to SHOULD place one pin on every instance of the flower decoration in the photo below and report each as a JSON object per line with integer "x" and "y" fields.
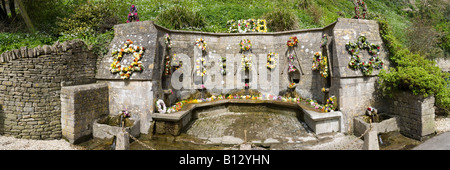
{"x": 135, "y": 66}
{"x": 292, "y": 41}
{"x": 262, "y": 26}
{"x": 200, "y": 66}
{"x": 246, "y": 62}
{"x": 324, "y": 40}
{"x": 223, "y": 65}
{"x": 201, "y": 44}
{"x": 320, "y": 63}
{"x": 291, "y": 67}
{"x": 245, "y": 45}
{"x": 355, "y": 61}
{"x": 167, "y": 67}
{"x": 360, "y": 3}
{"x": 292, "y": 85}
{"x": 161, "y": 106}
{"x": 133, "y": 14}
{"x": 167, "y": 41}
{"x": 249, "y": 25}
{"x": 125, "y": 113}
{"x": 175, "y": 61}
{"x": 271, "y": 61}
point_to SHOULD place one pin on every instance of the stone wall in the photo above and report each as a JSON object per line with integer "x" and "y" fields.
{"x": 415, "y": 114}
{"x": 30, "y": 87}
{"x": 80, "y": 105}
{"x": 354, "y": 91}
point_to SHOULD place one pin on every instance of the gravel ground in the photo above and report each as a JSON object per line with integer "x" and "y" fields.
{"x": 339, "y": 142}
{"x": 442, "y": 124}
{"x": 11, "y": 143}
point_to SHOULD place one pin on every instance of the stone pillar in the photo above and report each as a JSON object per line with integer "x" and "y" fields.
{"x": 416, "y": 114}
{"x": 371, "y": 141}
{"x": 122, "y": 141}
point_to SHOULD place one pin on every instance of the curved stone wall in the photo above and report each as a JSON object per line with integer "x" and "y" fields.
{"x": 354, "y": 91}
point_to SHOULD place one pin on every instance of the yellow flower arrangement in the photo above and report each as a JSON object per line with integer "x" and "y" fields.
{"x": 136, "y": 65}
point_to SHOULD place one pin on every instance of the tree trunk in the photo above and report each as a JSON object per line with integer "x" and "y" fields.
{"x": 12, "y": 8}
{"x": 25, "y": 17}
{"x": 3, "y": 12}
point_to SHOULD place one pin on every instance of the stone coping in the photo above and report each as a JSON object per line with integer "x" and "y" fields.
{"x": 313, "y": 115}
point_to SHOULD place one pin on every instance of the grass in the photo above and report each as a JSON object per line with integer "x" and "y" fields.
{"x": 318, "y": 13}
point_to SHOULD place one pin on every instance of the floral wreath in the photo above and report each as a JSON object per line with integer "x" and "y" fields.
{"x": 135, "y": 66}
{"x": 246, "y": 62}
{"x": 360, "y": 3}
{"x": 355, "y": 61}
{"x": 245, "y": 45}
{"x": 320, "y": 63}
{"x": 201, "y": 44}
{"x": 161, "y": 106}
{"x": 271, "y": 61}
{"x": 292, "y": 41}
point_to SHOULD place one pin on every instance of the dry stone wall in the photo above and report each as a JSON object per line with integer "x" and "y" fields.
{"x": 30, "y": 87}
{"x": 80, "y": 106}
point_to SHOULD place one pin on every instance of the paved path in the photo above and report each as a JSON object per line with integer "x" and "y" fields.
{"x": 440, "y": 142}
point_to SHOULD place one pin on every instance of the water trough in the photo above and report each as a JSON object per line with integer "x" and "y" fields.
{"x": 177, "y": 122}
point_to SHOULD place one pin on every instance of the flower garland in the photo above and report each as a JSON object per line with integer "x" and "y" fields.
{"x": 223, "y": 65}
{"x": 167, "y": 67}
{"x": 324, "y": 40}
{"x": 246, "y": 62}
{"x": 358, "y": 4}
{"x": 320, "y": 63}
{"x": 292, "y": 41}
{"x": 161, "y": 106}
{"x": 355, "y": 61}
{"x": 200, "y": 66}
{"x": 167, "y": 41}
{"x": 201, "y": 44}
{"x": 271, "y": 61}
{"x": 249, "y": 25}
{"x": 135, "y": 66}
{"x": 245, "y": 45}
{"x": 291, "y": 61}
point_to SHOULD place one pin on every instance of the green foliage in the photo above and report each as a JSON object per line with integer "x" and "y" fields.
{"x": 178, "y": 17}
{"x": 10, "y": 41}
{"x": 412, "y": 72}
{"x": 44, "y": 13}
{"x": 281, "y": 20}
{"x": 87, "y": 19}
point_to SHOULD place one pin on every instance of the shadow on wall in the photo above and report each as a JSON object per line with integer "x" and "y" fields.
{"x": 2, "y": 120}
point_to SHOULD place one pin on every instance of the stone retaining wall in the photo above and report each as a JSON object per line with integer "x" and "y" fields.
{"x": 30, "y": 87}
{"x": 415, "y": 114}
{"x": 80, "y": 105}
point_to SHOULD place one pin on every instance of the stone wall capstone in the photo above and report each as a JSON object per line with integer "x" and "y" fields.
{"x": 30, "y": 87}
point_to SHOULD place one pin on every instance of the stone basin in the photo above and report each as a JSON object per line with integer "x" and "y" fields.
{"x": 105, "y": 131}
{"x": 175, "y": 123}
